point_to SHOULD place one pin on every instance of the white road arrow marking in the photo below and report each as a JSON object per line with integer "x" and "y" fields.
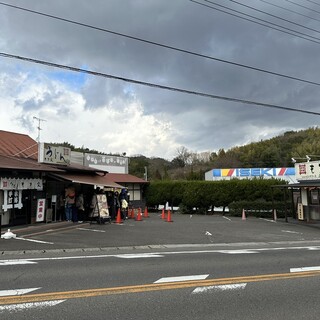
{"x": 182, "y": 278}
{"x": 33, "y": 305}
{"x": 16, "y": 292}
{"x": 226, "y": 287}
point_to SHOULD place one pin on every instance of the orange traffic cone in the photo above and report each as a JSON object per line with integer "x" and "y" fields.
{"x": 163, "y": 215}
{"x": 118, "y": 220}
{"x": 132, "y": 214}
{"x": 169, "y": 216}
{"x": 146, "y": 214}
{"x": 139, "y": 218}
{"x": 243, "y": 215}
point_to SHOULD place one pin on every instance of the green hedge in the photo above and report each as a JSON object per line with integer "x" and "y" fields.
{"x": 261, "y": 209}
{"x": 206, "y": 194}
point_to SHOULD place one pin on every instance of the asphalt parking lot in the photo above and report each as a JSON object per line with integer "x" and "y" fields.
{"x": 155, "y": 231}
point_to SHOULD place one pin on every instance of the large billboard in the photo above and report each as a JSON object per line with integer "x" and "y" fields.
{"x": 250, "y": 173}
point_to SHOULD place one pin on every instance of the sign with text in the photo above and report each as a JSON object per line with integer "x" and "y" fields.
{"x": 12, "y": 199}
{"x": 54, "y": 154}
{"x": 20, "y": 184}
{"x": 41, "y": 206}
{"x": 308, "y": 170}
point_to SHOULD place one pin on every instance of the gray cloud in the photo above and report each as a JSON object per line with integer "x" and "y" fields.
{"x": 199, "y": 123}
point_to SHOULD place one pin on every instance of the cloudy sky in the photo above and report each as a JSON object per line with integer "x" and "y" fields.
{"x": 213, "y": 47}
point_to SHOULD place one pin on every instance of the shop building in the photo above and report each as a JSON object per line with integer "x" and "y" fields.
{"x": 306, "y": 192}
{"x": 32, "y": 178}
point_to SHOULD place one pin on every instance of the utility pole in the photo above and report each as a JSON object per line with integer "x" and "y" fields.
{"x": 39, "y": 127}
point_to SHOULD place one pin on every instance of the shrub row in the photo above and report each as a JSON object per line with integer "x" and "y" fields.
{"x": 261, "y": 209}
{"x": 204, "y": 195}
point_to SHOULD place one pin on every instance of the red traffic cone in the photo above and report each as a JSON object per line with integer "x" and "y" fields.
{"x": 243, "y": 215}
{"x": 169, "y": 216}
{"x": 139, "y": 218}
{"x": 118, "y": 220}
{"x": 146, "y": 214}
{"x": 163, "y": 215}
{"x": 132, "y": 214}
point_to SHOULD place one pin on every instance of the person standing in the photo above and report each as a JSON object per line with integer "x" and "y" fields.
{"x": 70, "y": 198}
{"x": 80, "y": 207}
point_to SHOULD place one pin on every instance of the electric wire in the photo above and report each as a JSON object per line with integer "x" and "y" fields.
{"x": 289, "y": 10}
{"x": 158, "y": 86}
{"x": 168, "y": 46}
{"x": 302, "y": 6}
{"x": 274, "y": 16}
{"x": 253, "y": 21}
{"x": 313, "y": 2}
{"x": 302, "y": 35}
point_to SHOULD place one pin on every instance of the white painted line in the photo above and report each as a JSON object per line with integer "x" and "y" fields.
{"x": 33, "y": 305}
{"x": 226, "y": 218}
{"x": 154, "y": 254}
{"x": 15, "y": 262}
{"x": 31, "y": 240}
{"x": 16, "y": 292}
{"x": 226, "y": 287}
{"x": 93, "y": 230}
{"x": 182, "y": 278}
{"x": 136, "y": 256}
{"x": 268, "y": 220}
{"x": 238, "y": 251}
{"x": 305, "y": 269}
{"x": 288, "y": 231}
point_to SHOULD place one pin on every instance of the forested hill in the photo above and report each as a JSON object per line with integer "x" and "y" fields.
{"x": 275, "y": 152}
{"x": 271, "y": 153}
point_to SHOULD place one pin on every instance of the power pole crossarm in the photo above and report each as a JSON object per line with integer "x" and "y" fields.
{"x": 39, "y": 126}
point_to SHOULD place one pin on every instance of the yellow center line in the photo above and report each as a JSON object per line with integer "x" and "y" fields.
{"x": 85, "y": 293}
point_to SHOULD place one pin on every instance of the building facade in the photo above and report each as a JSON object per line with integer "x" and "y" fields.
{"x": 33, "y": 177}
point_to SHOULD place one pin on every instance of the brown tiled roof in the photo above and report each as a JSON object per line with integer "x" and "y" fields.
{"x": 124, "y": 178}
{"x": 14, "y": 163}
{"x": 18, "y": 145}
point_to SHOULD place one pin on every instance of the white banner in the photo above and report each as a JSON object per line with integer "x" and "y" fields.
{"x": 41, "y": 207}
{"x": 20, "y": 184}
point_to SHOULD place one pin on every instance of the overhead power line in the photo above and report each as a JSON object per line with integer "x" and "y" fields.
{"x": 158, "y": 86}
{"x": 313, "y": 2}
{"x": 274, "y": 16}
{"x": 289, "y": 10}
{"x": 269, "y": 24}
{"x": 302, "y": 6}
{"x": 165, "y": 45}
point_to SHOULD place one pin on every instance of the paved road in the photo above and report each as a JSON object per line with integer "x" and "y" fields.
{"x": 196, "y": 267}
{"x": 153, "y": 231}
{"x": 227, "y": 281}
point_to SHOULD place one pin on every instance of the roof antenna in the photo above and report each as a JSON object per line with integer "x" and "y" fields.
{"x": 39, "y": 127}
